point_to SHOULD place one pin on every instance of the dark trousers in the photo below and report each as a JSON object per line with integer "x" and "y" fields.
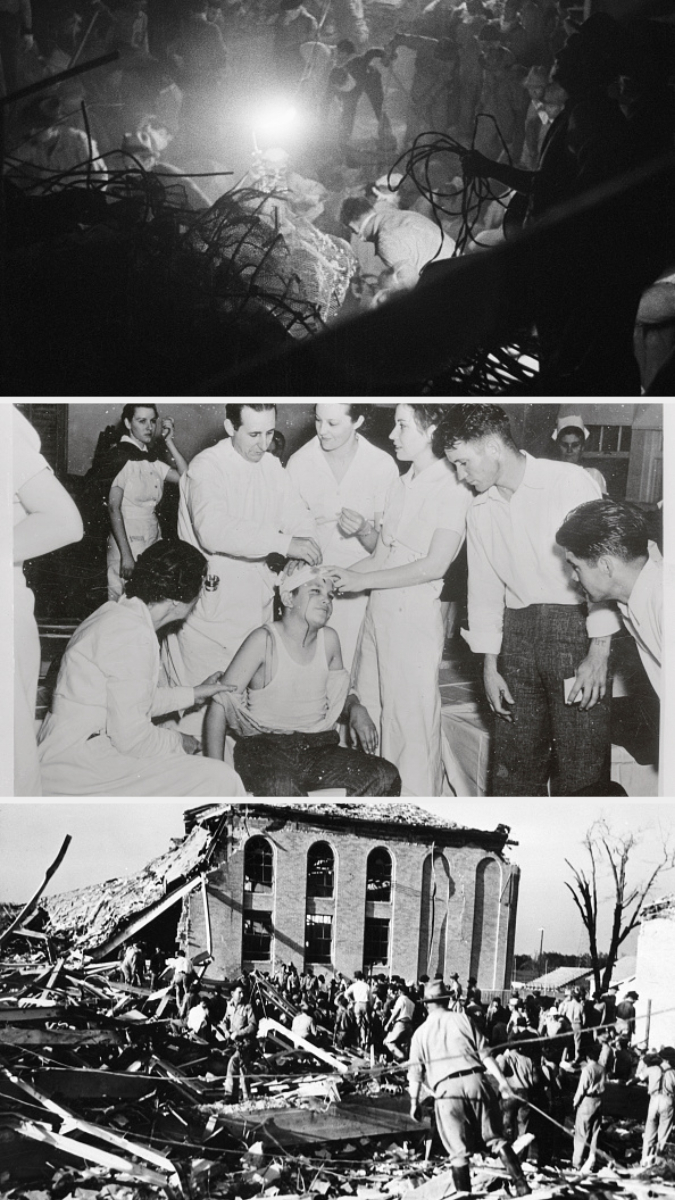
{"x": 372, "y": 87}
{"x": 548, "y": 740}
{"x": 293, "y": 764}
{"x": 515, "y": 1117}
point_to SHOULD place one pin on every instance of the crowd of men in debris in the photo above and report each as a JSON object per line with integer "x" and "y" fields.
{"x": 501, "y": 1070}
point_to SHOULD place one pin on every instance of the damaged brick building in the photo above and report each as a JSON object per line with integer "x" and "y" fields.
{"x": 341, "y": 887}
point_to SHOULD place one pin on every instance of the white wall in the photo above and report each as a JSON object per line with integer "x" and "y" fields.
{"x": 655, "y": 978}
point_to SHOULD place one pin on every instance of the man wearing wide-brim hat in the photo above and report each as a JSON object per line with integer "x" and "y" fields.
{"x": 657, "y": 1070}
{"x": 451, "y": 1057}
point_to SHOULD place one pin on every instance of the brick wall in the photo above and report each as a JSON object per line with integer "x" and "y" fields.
{"x": 469, "y": 921}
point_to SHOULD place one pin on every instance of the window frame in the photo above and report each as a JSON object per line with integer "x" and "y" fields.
{"x": 314, "y": 890}
{"x": 258, "y": 886}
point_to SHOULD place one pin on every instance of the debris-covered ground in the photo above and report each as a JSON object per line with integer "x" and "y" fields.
{"x": 106, "y": 1094}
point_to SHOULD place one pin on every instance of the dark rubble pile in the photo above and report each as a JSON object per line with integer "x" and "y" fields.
{"x": 105, "y": 1094}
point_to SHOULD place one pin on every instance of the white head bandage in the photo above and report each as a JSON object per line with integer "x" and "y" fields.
{"x": 290, "y": 580}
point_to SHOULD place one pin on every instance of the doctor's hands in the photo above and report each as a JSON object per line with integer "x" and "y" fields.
{"x": 211, "y": 686}
{"x": 351, "y": 523}
{"x": 346, "y": 580}
{"x": 305, "y": 549}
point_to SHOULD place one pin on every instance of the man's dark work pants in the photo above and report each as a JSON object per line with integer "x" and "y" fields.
{"x": 548, "y": 740}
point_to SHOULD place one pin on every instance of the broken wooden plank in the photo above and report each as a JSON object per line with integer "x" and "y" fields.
{"x": 97, "y": 1131}
{"x": 91, "y": 1084}
{"x": 27, "y": 1016}
{"x": 28, "y": 908}
{"x": 92, "y": 1154}
{"x": 298, "y": 1042}
{"x": 191, "y": 1089}
{"x": 62, "y": 1037}
{"x": 147, "y": 916}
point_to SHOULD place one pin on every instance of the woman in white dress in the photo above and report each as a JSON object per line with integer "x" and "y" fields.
{"x": 44, "y": 518}
{"x": 136, "y": 491}
{"x": 99, "y": 738}
{"x": 396, "y": 673}
{"x": 344, "y": 480}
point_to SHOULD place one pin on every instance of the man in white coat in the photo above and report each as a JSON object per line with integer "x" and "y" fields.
{"x": 238, "y": 506}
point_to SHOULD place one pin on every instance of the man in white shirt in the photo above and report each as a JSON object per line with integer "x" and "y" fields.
{"x": 238, "y": 506}
{"x": 399, "y": 1025}
{"x": 359, "y": 994}
{"x": 526, "y": 615}
{"x": 607, "y": 544}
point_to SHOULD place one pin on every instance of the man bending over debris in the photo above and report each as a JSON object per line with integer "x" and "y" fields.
{"x": 450, "y": 1055}
{"x": 291, "y": 689}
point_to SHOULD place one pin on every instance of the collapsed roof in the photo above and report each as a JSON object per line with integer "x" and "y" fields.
{"x": 98, "y": 918}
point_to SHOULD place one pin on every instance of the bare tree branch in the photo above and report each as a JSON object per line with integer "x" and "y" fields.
{"x": 612, "y": 853}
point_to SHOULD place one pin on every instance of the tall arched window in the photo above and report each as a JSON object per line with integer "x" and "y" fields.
{"x": 320, "y": 870}
{"x": 377, "y": 926}
{"x": 378, "y": 875}
{"x": 258, "y": 921}
{"x": 320, "y": 902}
{"x": 438, "y": 890}
{"x": 258, "y": 866}
{"x": 486, "y": 908}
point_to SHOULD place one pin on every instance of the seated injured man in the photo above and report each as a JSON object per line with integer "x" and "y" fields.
{"x": 290, "y": 690}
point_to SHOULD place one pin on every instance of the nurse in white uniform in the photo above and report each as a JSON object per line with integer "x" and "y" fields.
{"x": 396, "y": 672}
{"x": 136, "y": 491}
{"x": 344, "y": 480}
{"x": 99, "y": 739}
{"x": 45, "y": 518}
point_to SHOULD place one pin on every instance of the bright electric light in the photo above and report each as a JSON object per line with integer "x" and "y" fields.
{"x": 276, "y": 120}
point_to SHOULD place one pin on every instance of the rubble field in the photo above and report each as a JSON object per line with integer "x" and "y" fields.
{"x": 105, "y": 1094}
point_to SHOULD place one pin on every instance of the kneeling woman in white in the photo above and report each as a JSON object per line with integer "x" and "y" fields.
{"x": 395, "y": 673}
{"x": 99, "y": 739}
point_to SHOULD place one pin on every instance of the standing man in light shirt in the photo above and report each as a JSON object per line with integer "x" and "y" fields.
{"x": 525, "y": 614}
{"x": 359, "y": 994}
{"x": 238, "y": 506}
{"x": 607, "y": 545}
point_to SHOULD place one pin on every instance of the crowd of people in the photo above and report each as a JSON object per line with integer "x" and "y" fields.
{"x": 524, "y": 92}
{"x": 341, "y": 691}
{"x": 515, "y": 1066}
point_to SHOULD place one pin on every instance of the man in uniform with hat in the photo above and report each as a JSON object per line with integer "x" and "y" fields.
{"x": 451, "y": 1057}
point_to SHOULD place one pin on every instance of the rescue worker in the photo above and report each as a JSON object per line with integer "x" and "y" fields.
{"x": 239, "y": 1027}
{"x": 399, "y": 1024}
{"x": 451, "y": 1057}
{"x": 658, "y": 1070}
